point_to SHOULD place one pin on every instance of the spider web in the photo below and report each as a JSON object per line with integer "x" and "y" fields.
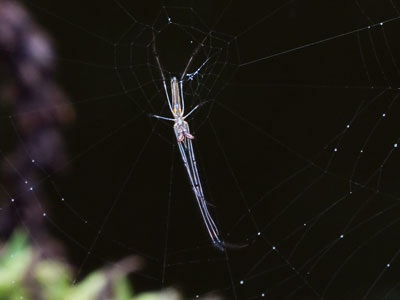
{"x": 296, "y": 139}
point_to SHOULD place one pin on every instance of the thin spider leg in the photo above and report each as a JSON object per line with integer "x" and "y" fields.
{"x": 191, "y": 75}
{"x": 157, "y": 57}
{"x": 197, "y": 182}
{"x": 210, "y": 224}
{"x": 196, "y": 178}
{"x": 183, "y": 100}
{"x": 183, "y": 150}
{"x": 193, "y": 109}
{"x": 166, "y": 93}
{"x": 161, "y": 71}
{"x": 197, "y": 190}
{"x": 163, "y": 118}
{"x": 191, "y": 58}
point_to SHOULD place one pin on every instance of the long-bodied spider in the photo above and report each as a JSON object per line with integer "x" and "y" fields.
{"x": 176, "y": 104}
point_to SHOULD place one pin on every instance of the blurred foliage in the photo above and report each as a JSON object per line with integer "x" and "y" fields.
{"x": 24, "y": 274}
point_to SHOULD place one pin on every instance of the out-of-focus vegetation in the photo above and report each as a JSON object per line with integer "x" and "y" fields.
{"x": 24, "y": 274}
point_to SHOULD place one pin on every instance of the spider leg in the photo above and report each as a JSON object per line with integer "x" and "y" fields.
{"x": 161, "y": 117}
{"x": 161, "y": 71}
{"x": 191, "y": 58}
{"x": 193, "y": 109}
{"x": 189, "y": 162}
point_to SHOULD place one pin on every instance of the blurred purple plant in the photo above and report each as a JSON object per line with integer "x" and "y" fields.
{"x": 40, "y": 111}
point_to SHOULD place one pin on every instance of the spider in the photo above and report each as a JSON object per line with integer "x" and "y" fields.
{"x": 184, "y": 139}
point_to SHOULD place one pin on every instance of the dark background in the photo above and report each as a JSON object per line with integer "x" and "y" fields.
{"x": 265, "y": 141}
